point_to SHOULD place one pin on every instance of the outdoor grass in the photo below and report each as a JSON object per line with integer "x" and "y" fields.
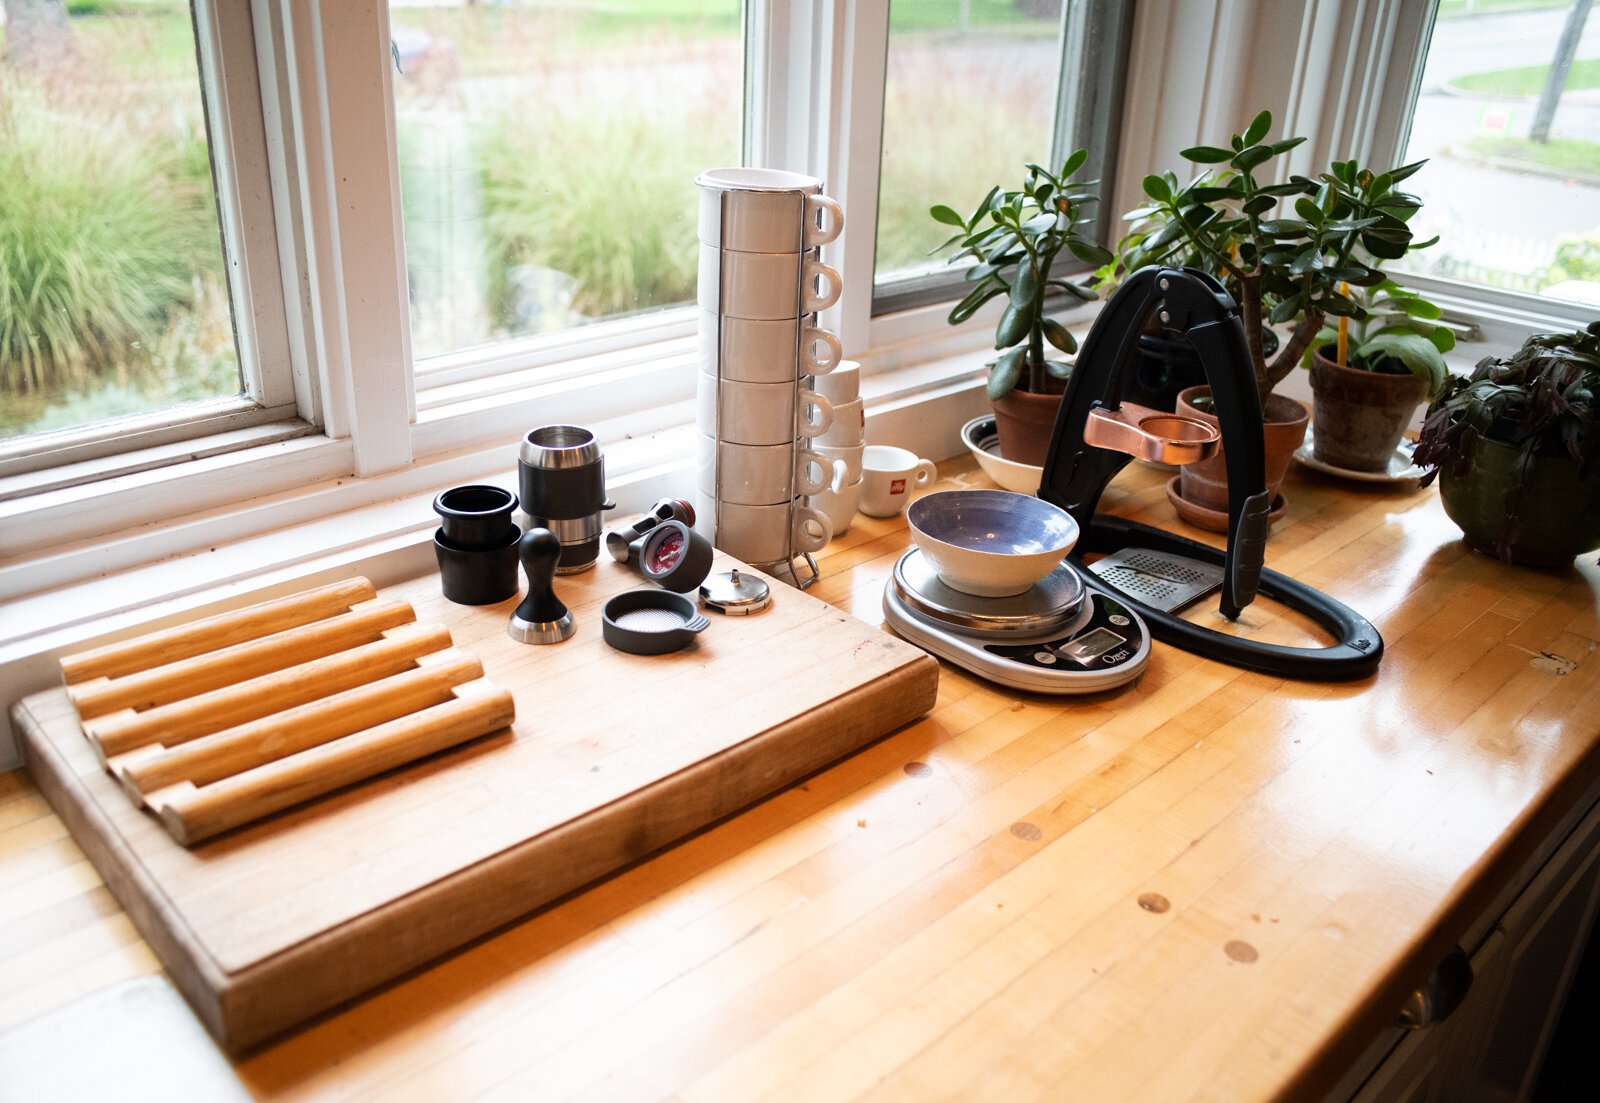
{"x": 1451, "y": 9}
{"x": 1528, "y": 80}
{"x": 1561, "y": 154}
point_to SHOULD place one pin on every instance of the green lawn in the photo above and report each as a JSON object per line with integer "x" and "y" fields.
{"x": 1529, "y": 79}
{"x": 1450, "y": 9}
{"x": 1561, "y": 154}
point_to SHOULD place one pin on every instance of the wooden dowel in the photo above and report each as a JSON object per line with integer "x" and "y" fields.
{"x": 270, "y": 738}
{"x": 202, "y": 673}
{"x": 182, "y": 721}
{"x": 193, "y": 814}
{"x": 184, "y": 641}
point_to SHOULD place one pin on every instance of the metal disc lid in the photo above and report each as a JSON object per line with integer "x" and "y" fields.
{"x": 736, "y": 593}
{"x": 1051, "y": 603}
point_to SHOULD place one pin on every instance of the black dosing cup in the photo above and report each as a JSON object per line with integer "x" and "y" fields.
{"x": 477, "y": 517}
{"x": 477, "y": 576}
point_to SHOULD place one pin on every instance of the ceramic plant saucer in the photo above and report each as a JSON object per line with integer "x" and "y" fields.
{"x": 1212, "y": 520}
{"x": 1401, "y": 469}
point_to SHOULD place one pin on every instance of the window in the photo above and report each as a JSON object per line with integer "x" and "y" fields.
{"x": 113, "y": 288}
{"x": 547, "y": 155}
{"x": 1507, "y": 116}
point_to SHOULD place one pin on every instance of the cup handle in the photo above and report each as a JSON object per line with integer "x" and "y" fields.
{"x": 804, "y": 425}
{"x": 804, "y": 539}
{"x": 841, "y": 476}
{"x": 806, "y": 461}
{"x": 832, "y": 353}
{"x": 813, "y": 300}
{"x": 821, "y": 231}
{"x": 926, "y": 472}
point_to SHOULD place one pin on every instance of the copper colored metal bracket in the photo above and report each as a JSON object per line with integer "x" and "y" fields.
{"x": 1148, "y": 434}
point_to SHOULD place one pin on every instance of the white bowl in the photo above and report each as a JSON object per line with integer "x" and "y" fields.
{"x": 990, "y": 543}
{"x": 983, "y": 442}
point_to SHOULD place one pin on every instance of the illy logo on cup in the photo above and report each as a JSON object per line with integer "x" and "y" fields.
{"x": 898, "y": 486}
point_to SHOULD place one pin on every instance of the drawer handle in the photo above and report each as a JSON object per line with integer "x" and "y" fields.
{"x": 1440, "y": 994}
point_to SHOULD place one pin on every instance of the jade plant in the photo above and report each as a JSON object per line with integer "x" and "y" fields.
{"x": 1014, "y": 237}
{"x": 1288, "y": 252}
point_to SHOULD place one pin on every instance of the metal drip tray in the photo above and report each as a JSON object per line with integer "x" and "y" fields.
{"x": 1158, "y": 579}
{"x": 1051, "y": 603}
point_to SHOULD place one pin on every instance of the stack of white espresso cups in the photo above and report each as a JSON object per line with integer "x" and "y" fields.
{"x": 842, "y": 445}
{"x": 760, "y": 287}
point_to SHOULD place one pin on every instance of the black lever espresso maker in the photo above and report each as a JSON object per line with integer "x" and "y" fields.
{"x": 1091, "y": 443}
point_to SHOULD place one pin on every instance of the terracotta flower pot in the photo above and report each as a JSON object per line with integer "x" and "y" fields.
{"x": 1556, "y": 511}
{"x": 1359, "y": 417}
{"x": 1206, "y": 483}
{"x": 1025, "y": 422}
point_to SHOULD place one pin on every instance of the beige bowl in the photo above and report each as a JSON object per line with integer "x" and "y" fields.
{"x": 990, "y": 543}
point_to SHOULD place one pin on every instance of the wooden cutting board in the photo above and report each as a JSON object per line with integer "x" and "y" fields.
{"x": 611, "y": 757}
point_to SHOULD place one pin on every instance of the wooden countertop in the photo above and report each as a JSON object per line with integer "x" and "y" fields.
{"x": 1210, "y": 884}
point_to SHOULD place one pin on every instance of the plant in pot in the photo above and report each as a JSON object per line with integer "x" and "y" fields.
{"x": 1014, "y": 238}
{"x": 1516, "y": 448}
{"x": 1393, "y": 363}
{"x": 1288, "y": 253}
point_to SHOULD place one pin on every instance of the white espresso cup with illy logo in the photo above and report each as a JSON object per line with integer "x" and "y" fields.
{"x": 888, "y": 476}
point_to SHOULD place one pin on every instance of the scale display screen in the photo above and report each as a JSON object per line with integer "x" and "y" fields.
{"x": 1092, "y": 645}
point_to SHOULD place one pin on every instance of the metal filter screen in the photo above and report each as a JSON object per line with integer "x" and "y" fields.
{"x": 650, "y": 620}
{"x": 1161, "y": 581}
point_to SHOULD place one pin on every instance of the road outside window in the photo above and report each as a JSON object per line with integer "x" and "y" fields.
{"x": 1513, "y": 187}
{"x": 113, "y": 291}
{"x": 547, "y": 158}
{"x": 969, "y": 98}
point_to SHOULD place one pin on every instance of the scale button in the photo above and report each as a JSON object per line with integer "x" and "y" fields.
{"x": 1118, "y": 619}
{"x": 1044, "y": 658}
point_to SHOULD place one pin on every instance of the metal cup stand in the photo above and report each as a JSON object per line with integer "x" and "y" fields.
{"x": 787, "y": 564}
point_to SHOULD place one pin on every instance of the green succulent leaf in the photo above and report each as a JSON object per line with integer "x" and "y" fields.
{"x": 968, "y": 306}
{"x": 1206, "y": 155}
{"x": 1005, "y": 373}
{"x": 1259, "y": 204}
{"x": 1025, "y": 289}
{"x": 1156, "y": 188}
{"x": 948, "y": 216}
{"x": 1258, "y": 128}
{"x": 1413, "y": 350}
{"x": 1059, "y": 335}
{"x": 1058, "y": 369}
{"x": 1286, "y": 145}
{"x": 1251, "y": 156}
{"x": 1074, "y": 162}
{"x": 1014, "y": 323}
{"x": 1089, "y": 252}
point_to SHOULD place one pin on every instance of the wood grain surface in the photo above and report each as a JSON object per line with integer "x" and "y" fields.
{"x": 1210, "y": 884}
{"x": 610, "y": 757}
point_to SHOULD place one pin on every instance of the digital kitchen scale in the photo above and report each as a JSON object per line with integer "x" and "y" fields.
{"x": 1056, "y": 637}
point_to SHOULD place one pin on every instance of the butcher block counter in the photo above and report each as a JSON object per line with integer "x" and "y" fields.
{"x": 1207, "y": 884}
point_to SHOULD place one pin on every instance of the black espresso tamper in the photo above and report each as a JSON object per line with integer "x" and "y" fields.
{"x": 541, "y": 618}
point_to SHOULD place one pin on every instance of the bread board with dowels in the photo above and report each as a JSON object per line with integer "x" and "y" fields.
{"x": 610, "y": 757}
{"x": 218, "y": 723}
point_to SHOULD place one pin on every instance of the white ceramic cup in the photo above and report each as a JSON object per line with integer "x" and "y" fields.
{"x": 756, "y": 350}
{"x": 757, "y": 475}
{"x": 842, "y": 384}
{"x": 766, "y": 211}
{"x": 847, "y": 458}
{"x": 839, "y": 504}
{"x": 889, "y": 475}
{"x": 762, "y": 534}
{"x": 849, "y": 425}
{"x": 765, "y": 285}
{"x": 761, "y": 413}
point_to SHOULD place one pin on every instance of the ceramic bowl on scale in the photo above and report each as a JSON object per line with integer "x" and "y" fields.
{"x": 983, "y": 442}
{"x": 990, "y": 543}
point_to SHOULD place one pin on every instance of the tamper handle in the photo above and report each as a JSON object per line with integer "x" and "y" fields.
{"x": 539, "y": 549}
